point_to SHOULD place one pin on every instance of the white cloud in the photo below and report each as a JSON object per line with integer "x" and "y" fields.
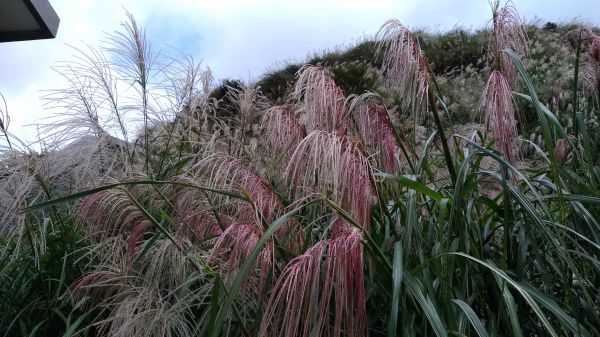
{"x": 236, "y": 38}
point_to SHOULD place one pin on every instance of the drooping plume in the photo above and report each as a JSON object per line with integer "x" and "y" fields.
{"x": 235, "y": 245}
{"x": 248, "y": 219}
{"x": 589, "y": 76}
{"x": 221, "y": 171}
{"x": 328, "y": 275}
{"x": 333, "y": 164}
{"x": 282, "y": 128}
{"x": 193, "y": 211}
{"x": 324, "y": 102}
{"x": 595, "y": 49}
{"x": 590, "y": 67}
{"x": 404, "y": 64}
{"x": 377, "y": 134}
{"x": 112, "y": 213}
{"x": 497, "y": 102}
{"x": 508, "y": 32}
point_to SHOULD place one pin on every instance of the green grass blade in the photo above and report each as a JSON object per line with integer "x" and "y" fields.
{"x": 396, "y": 283}
{"x": 530, "y": 301}
{"x": 85, "y": 193}
{"x": 426, "y": 305}
{"x": 412, "y": 184}
{"x": 557, "y": 311}
{"x": 72, "y": 328}
{"x": 511, "y": 307}
{"x": 472, "y": 317}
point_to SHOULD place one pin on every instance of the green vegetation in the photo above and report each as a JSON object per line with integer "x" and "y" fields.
{"x": 413, "y": 185}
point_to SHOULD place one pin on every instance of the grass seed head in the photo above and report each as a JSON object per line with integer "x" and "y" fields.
{"x": 498, "y": 104}
{"x": 405, "y": 66}
{"x": 324, "y": 102}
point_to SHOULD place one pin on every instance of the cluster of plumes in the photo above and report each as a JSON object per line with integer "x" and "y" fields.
{"x": 115, "y": 218}
{"x": 405, "y": 65}
{"x": 244, "y": 225}
{"x": 589, "y": 44}
{"x": 146, "y": 240}
{"x": 221, "y": 171}
{"x": 333, "y": 164}
{"x": 25, "y": 178}
{"x": 123, "y": 232}
{"x": 143, "y": 281}
{"x": 327, "y": 162}
{"x": 219, "y": 231}
{"x": 248, "y": 103}
{"x": 325, "y": 283}
{"x": 507, "y": 33}
{"x": 375, "y": 129}
{"x": 97, "y": 110}
{"x": 190, "y": 106}
{"x": 323, "y": 101}
{"x": 329, "y": 274}
{"x": 497, "y": 102}
{"x": 129, "y": 305}
{"x": 138, "y": 288}
{"x": 283, "y": 130}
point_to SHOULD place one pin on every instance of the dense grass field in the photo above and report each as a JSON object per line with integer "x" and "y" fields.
{"x": 415, "y": 184}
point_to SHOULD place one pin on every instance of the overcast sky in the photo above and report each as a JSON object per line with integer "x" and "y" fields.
{"x": 236, "y": 38}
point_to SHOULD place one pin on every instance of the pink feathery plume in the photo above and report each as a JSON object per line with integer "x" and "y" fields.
{"x": 87, "y": 280}
{"x": 347, "y": 280}
{"x": 497, "y": 102}
{"x": 94, "y": 284}
{"x": 590, "y": 68}
{"x": 200, "y": 225}
{"x": 333, "y": 165}
{"x": 235, "y": 245}
{"x": 293, "y": 308}
{"x": 193, "y": 212}
{"x": 225, "y": 172}
{"x": 377, "y": 134}
{"x": 508, "y": 32}
{"x": 324, "y": 102}
{"x": 595, "y": 49}
{"x": 282, "y": 128}
{"x": 589, "y": 76}
{"x": 328, "y": 275}
{"x": 249, "y": 219}
{"x": 404, "y": 65}
{"x": 580, "y": 37}
{"x": 136, "y": 238}
{"x": 561, "y": 151}
{"x": 112, "y": 213}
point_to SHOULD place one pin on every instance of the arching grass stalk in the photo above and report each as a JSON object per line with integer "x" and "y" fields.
{"x": 4, "y": 121}
{"x": 440, "y": 127}
{"x": 132, "y": 54}
{"x": 406, "y": 67}
{"x": 576, "y": 83}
